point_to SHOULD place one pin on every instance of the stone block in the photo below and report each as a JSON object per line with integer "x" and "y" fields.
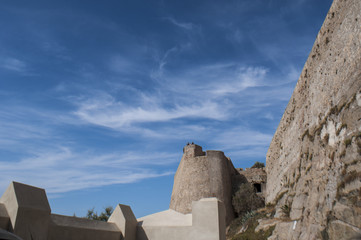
{"x": 341, "y": 230}
{"x": 347, "y": 215}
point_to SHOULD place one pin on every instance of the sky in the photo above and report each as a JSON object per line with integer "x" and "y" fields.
{"x": 98, "y": 98}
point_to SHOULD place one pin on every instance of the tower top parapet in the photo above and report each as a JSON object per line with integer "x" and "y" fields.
{"x": 193, "y": 150}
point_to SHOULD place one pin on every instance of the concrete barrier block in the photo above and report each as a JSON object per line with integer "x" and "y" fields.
{"x": 124, "y": 218}
{"x": 4, "y": 217}
{"x": 73, "y": 228}
{"x": 209, "y": 217}
{"x": 28, "y": 209}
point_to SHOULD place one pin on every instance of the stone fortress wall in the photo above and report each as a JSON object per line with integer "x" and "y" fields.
{"x": 314, "y": 160}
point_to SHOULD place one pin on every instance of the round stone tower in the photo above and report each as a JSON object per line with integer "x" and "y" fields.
{"x": 201, "y": 175}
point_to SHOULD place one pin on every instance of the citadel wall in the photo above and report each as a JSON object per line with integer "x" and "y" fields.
{"x": 314, "y": 160}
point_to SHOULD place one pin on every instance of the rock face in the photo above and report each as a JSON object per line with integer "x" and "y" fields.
{"x": 314, "y": 160}
{"x": 202, "y": 175}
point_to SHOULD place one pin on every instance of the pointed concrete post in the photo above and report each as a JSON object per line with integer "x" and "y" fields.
{"x": 209, "y": 219}
{"x": 124, "y": 218}
{"x": 28, "y": 209}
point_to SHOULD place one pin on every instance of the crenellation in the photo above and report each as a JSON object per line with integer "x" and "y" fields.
{"x": 215, "y": 153}
{"x": 193, "y": 150}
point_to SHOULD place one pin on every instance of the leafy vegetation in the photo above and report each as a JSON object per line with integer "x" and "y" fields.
{"x": 103, "y": 216}
{"x": 247, "y": 216}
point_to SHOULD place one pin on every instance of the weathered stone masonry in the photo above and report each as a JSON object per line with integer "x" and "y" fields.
{"x": 314, "y": 160}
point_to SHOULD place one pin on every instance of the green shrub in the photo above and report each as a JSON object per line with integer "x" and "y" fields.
{"x": 248, "y": 215}
{"x": 104, "y": 216}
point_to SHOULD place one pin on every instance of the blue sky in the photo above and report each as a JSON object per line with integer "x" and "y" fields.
{"x": 97, "y": 99}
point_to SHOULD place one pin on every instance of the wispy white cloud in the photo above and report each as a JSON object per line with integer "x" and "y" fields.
{"x": 47, "y": 160}
{"x": 17, "y": 123}
{"x": 61, "y": 170}
{"x": 244, "y": 78}
{"x": 184, "y": 25}
{"x": 158, "y": 74}
{"x": 221, "y": 92}
{"x": 104, "y": 110}
{"x": 213, "y": 81}
{"x": 14, "y": 64}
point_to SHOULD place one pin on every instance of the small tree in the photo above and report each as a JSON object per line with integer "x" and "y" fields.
{"x": 258, "y": 165}
{"x": 246, "y": 200}
{"x": 104, "y": 216}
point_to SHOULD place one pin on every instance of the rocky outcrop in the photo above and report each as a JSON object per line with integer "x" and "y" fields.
{"x": 314, "y": 160}
{"x": 202, "y": 175}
